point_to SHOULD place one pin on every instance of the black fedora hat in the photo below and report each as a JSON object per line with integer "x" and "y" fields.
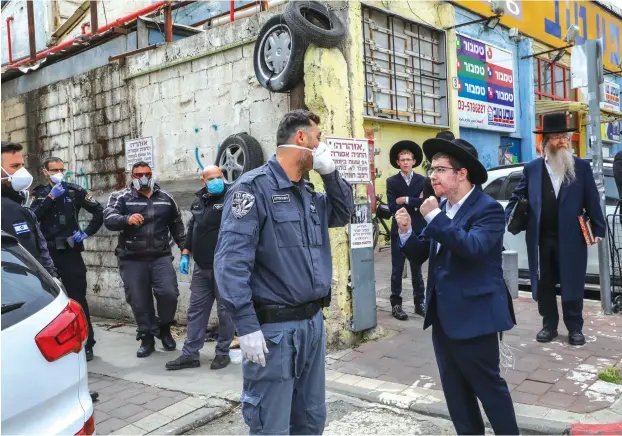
{"x": 463, "y": 151}
{"x": 411, "y": 146}
{"x": 555, "y": 123}
{"x": 446, "y": 134}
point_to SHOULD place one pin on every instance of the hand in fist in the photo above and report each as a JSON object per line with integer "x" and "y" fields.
{"x": 402, "y": 218}
{"x": 428, "y": 205}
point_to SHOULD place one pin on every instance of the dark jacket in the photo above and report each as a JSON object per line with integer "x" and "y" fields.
{"x": 204, "y": 226}
{"x": 151, "y": 239}
{"x": 21, "y": 222}
{"x": 572, "y": 199}
{"x": 58, "y": 218}
{"x": 397, "y": 187}
{"x": 617, "y": 172}
{"x": 465, "y": 275}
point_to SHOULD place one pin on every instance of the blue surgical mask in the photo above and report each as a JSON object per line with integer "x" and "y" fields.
{"x": 215, "y": 186}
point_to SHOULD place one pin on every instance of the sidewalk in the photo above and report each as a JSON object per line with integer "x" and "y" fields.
{"x": 139, "y": 396}
{"x": 553, "y": 385}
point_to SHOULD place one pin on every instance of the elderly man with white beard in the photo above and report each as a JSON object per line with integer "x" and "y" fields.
{"x": 559, "y": 188}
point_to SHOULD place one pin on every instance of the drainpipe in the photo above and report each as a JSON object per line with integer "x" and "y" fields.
{"x": 94, "y": 25}
{"x": 31, "y": 30}
{"x": 8, "y": 34}
{"x": 168, "y": 24}
{"x": 231, "y": 11}
{"x": 102, "y": 29}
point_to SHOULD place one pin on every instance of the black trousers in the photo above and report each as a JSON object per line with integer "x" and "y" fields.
{"x": 397, "y": 269}
{"x": 547, "y": 292}
{"x": 72, "y": 272}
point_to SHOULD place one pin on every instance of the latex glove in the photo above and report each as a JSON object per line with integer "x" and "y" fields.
{"x": 322, "y": 160}
{"x": 253, "y": 346}
{"x": 57, "y": 191}
{"x": 79, "y": 236}
{"x": 183, "y": 264}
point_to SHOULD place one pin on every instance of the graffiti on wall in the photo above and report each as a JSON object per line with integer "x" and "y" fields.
{"x": 197, "y": 154}
{"x": 79, "y": 178}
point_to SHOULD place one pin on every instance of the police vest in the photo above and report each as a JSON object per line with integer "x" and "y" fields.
{"x": 19, "y": 222}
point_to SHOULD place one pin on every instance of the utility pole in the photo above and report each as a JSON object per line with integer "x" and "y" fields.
{"x": 594, "y": 80}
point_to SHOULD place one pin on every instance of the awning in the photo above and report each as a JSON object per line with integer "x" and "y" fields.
{"x": 547, "y": 107}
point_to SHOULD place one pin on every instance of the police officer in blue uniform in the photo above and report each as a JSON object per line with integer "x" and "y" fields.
{"x": 273, "y": 268}
{"x": 57, "y": 206}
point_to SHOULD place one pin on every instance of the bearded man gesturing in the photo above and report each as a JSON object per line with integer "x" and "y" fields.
{"x": 559, "y": 188}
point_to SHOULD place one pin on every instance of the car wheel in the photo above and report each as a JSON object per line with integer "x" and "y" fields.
{"x": 279, "y": 56}
{"x": 315, "y": 22}
{"x": 238, "y": 154}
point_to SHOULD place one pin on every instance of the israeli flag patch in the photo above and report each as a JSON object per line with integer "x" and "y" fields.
{"x": 21, "y": 228}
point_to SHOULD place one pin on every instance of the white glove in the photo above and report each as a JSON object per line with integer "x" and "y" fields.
{"x": 322, "y": 160}
{"x": 253, "y": 346}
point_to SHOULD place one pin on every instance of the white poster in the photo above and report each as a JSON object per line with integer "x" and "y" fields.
{"x": 351, "y": 157}
{"x": 140, "y": 149}
{"x": 361, "y": 229}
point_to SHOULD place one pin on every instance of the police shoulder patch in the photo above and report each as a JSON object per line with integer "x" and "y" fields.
{"x": 242, "y": 203}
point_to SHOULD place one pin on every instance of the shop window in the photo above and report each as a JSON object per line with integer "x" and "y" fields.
{"x": 405, "y": 69}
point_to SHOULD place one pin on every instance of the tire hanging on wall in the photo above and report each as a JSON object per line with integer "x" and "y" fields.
{"x": 238, "y": 154}
{"x": 279, "y": 56}
{"x": 315, "y": 22}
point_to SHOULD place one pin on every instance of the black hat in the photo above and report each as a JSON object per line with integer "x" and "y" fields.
{"x": 446, "y": 134}
{"x": 463, "y": 151}
{"x": 555, "y": 123}
{"x": 411, "y": 146}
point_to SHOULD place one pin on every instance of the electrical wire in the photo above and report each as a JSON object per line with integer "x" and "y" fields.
{"x": 104, "y": 6}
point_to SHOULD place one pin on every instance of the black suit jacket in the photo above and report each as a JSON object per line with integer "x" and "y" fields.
{"x": 397, "y": 187}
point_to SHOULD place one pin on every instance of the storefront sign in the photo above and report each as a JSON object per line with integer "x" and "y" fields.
{"x": 351, "y": 157}
{"x": 548, "y": 21}
{"x": 137, "y": 150}
{"x": 611, "y": 132}
{"x": 485, "y": 86}
{"x": 610, "y": 97}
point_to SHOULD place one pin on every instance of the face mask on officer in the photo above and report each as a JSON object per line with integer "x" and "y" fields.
{"x": 57, "y": 178}
{"x": 20, "y": 180}
{"x": 322, "y": 159}
{"x": 142, "y": 180}
{"x": 215, "y": 186}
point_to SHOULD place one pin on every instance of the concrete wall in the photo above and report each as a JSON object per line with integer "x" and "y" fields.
{"x": 189, "y": 96}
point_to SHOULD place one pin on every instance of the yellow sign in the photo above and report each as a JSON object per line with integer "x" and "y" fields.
{"x": 547, "y": 21}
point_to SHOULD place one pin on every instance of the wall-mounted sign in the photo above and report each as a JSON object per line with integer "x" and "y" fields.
{"x": 140, "y": 149}
{"x": 485, "y": 86}
{"x": 351, "y": 157}
{"x": 361, "y": 229}
{"x": 611, "y": 132}
{"x": 610, "y": 97}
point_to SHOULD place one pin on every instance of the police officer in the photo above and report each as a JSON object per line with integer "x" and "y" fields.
{"x": 273, "y": 268}
{"x": 57, "y": 206}
{"x": 144, "y": 214}
{"x": 17, "y": 220}
{"x": 201, "y": 239}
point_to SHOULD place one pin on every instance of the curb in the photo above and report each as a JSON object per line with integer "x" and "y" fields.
{"x": 431, "y": 403}
{"x": 193, "y": 420}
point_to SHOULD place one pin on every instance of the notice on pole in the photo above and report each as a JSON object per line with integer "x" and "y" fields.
{"x": 361, "y": 229}
{"x": 351, "y": 157}
{"x": 140, "y": 149}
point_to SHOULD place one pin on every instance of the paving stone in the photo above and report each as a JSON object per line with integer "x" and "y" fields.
{"x": 514, "y": 377}
{"x": 556, "y": 399}
{"x": 606, "y": 416}
{"x": 533, "y": 387}
{"x": 332, "y": 375}
{"x": 370, "y": 383}
{"x": 100, "y": 416}
{"x": 178, "y": 410}
{"x": 139, "y": 416}
{"x": 130, "y": 430}
{"x": 112, "y": 389}
{"x": 107, "y": 406}
{"x": 524, "y": 397}
{"x": 159, "y": 403}
{"x": 143, "y": 398}
{"x": 606, "y": 388}
{"x": 152, "y": 422}
{"x": 392, "y": 387}
{"x": 545, "y": 375}
{"x": 125, "y": 410}
{"x": 586, "y": 405}
{"x": 128, "y": 393}
{"x": 110, "y": 425}
{"x": 565, "y": 416}
{"x": 569, "y": 387}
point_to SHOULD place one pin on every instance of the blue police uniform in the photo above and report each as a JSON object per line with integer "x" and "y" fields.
{"x": 273, "y": 262}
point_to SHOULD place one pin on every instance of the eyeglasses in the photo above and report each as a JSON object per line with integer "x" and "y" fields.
{"x": 441, "y": 170}
{"x": 56, "y": 170}
{"x": 561, "y": 137}
{"x": 141, "y": 175}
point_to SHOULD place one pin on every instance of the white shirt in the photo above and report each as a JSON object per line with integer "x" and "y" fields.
{"x": 407, "y": 179}
{"x": 555, "y": 179}
{"x": 450, "y": 211}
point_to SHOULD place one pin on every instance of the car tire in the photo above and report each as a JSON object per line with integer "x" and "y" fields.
{"x": 279, "y": 54}
{"x": 238, "y": 154}
{"x": 315, "y": 22}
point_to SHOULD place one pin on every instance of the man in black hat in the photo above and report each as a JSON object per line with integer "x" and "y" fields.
{"x": 428, "y": 190}
{"x": 467, "y": 302}
{"x": 404, "y": 190}
{"x": 559, "y": 187}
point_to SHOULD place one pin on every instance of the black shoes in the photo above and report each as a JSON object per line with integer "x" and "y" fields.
{"x": 220, "y": 362}
{"x": 398, "y": 313}
{"x": 420, "y": 309}
{"x": 182, "y": 362}
{"x": 94, "y": 396}
{"x": 147, "y": 346}
{"x": 546, "y": 335}
{"x": 89, "y": 353}
{"x": 168, "y": 342}
{"x": 576, "y": 338}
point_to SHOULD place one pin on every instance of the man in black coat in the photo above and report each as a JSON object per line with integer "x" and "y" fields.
{"x": 404, "y": 190}
{"x": 617, "y": 171}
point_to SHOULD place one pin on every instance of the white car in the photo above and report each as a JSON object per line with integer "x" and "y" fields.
{"x": 500, "y": 185}
{"x": 44, "y": 374}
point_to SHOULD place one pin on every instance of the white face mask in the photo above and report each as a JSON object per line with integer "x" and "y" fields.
{"x": 320, "y": 150}
{"x": 57, "y": 178}
{"x": 20, "y": 179}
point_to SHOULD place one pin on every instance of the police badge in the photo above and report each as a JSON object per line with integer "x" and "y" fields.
{"x": 242, "y": 203}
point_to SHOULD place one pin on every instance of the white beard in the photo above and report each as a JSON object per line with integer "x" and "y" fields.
{"x": 562, "y": 163}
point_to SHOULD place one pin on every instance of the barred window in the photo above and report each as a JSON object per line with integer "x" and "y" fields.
{"x": 405, "y": 69}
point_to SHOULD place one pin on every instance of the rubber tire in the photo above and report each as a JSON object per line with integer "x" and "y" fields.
{"x": 293, "y": 72}
{"x": 329, "y": 35}
{"x": 252, "y": 150}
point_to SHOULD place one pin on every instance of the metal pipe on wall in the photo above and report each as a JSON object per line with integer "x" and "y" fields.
{"x": 8, "y": 34}
{"x": 168, "y": 24}
{"x": 30, "y": 10}
{"x": 224, "y": 19}
{"x": 94, "y": 24}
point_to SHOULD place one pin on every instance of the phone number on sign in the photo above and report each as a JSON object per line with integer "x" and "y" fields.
{"x": 471, "y": 107}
